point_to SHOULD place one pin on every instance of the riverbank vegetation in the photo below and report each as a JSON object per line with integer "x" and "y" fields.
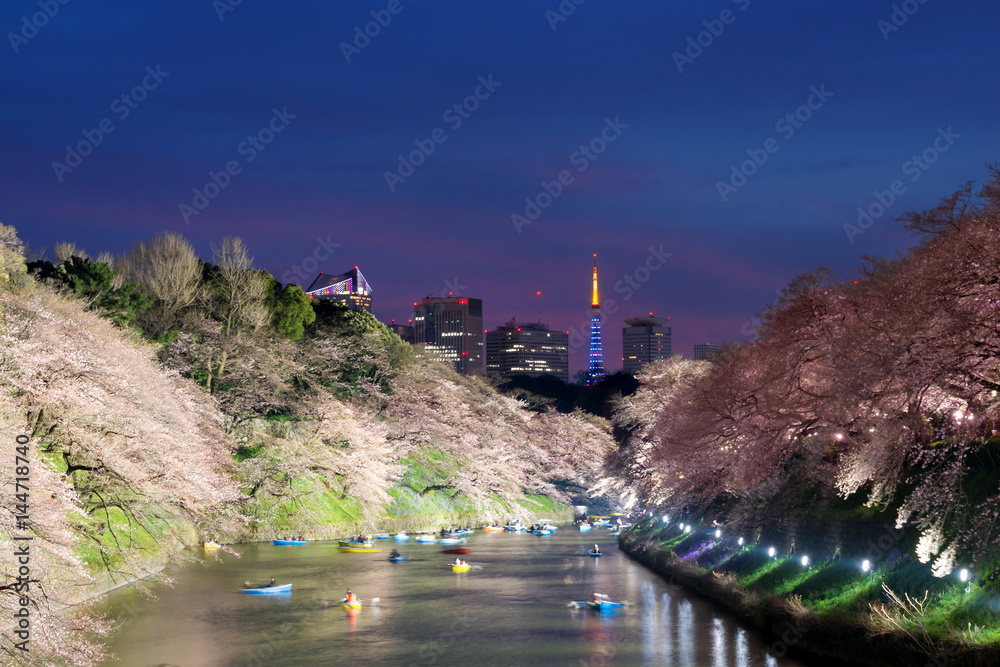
{"x": 885, "y": 611}
{"x": 870, "y": 396}
{"x": 169, "y": 400}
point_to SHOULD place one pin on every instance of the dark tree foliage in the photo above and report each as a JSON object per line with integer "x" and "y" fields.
{"x": 291, "y": 310}
{"x": 94, "y": 282}
{"x": 548, "y": 391}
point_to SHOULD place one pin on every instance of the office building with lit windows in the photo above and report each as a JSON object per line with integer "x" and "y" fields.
{"x": 644, "y": 340}
{"x": 527, "y": 349}
{"x": 705, "y": 350}
{"x": 450, "y": 329}
{"x": 349, "y": 288}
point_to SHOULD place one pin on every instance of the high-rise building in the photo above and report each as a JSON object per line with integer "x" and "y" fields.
{"x": 404, "y": 331}
{"x": 705, "y": 350}
{"x": 349, "y": 288}
{"x": 595, "y": 362}
{"x": 450, "y": 329}
{"x": 644, "y": 340}
{"x": 527, "y": 349}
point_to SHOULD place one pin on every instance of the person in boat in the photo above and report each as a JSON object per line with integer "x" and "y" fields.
{"x": 459, "y": 561}
{"x": 395, "y": 554}
{"x": 350, "y": 597}
{"x": 270, "y": 583}
{"x": 596, "y": 550}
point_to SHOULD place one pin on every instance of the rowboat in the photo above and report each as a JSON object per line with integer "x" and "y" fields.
{"x": 451, "y": 540}
{"x": 459, "y": 550}
{"x": 603, "y": 605}
{"x": 426, "y": 539}
{"x": 396, "y": 559}
{"x": 350, "y": 605}
{"x": 585, "y": 527}
{"x": 401, "y": 537}
{"x": 460, "y": 568}
{"x": 493, "y": 529}
{"x": 352, "y": 543}
{"x": 360, "y": 549}
{"x": 543, "y": 531}
{"x": 382, "y": 536}
{"x": 595, "y": 554}
{"x": 289, "y": 543}
{"x": 268, "y": 590}
{"x": 211, "y": 545}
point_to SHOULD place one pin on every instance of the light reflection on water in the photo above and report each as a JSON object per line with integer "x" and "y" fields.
{"x": 511, "y": 612}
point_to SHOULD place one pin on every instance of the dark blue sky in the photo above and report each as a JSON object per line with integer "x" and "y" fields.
{"x": 448, "y": 225}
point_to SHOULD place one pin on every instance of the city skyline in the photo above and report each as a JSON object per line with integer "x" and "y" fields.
{"x": 440, "y": 162}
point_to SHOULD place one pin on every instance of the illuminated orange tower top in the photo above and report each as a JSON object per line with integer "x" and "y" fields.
{"x": 595, "y": 302}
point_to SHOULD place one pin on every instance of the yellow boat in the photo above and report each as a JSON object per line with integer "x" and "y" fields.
{"x": 211, "y": 545}
{"x": 359, "y": 549}
{"x": 351, "y": 605}
{"x": 460, "y": 568}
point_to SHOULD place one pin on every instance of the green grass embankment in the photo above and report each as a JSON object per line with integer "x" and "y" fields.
{"x": 828, "y": 602}
{"x": 424, "y": 498}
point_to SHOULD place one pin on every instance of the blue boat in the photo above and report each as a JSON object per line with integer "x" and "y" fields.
{"x": 595, "y": 554}
{"x": 603, "y": 605}
{"x": 400, "y": 537}
{"x": 289, "y": 543}
{"x": 396, "y": 559}
{"x": 268, "y": 590}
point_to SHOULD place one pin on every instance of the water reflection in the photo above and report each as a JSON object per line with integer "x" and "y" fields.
{"x": 511, "y": 612}
{"x": 718, "y": 643}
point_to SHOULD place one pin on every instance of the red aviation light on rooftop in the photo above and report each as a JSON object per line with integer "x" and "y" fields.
{"x": 463, "y": 301}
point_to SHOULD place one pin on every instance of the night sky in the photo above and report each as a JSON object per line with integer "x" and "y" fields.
{"x": 675, "y": 117}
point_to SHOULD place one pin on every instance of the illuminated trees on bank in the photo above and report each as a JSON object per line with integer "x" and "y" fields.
{"x": 883, "y": 384}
